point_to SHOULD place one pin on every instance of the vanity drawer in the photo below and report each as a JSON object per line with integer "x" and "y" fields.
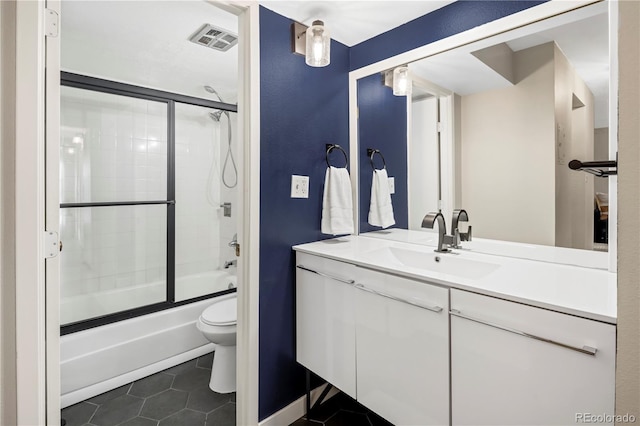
{"x": 325, "y": 319}
{"x": 402, "y": 348}
{"x": 516, "y": 364}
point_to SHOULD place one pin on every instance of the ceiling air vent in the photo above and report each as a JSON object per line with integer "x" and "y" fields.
{"x": 214, "y": 38}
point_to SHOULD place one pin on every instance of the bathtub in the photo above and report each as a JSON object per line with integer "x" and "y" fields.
{"x": 99, "y": 359}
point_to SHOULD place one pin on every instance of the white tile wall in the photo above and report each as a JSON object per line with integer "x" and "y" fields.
{"x": 114, "y": 148}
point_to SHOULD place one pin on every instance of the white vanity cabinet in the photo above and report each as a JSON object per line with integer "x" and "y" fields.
{"x": 325, "y": 320}
{"x": 402, "y": 348}
{"x": 516, "y": 364}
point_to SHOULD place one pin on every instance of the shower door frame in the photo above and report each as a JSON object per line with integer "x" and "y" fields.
{"x": 94, "y": 84}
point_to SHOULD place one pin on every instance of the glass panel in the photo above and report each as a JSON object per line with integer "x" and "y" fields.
{"x": 112, "y": 148}
{"x": 114, "y": 259}
{"x": 205, "y": 142}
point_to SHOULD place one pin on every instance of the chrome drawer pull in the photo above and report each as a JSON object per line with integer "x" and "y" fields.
{"x": 322, "y": 274}
{"x": 585, "y": 349}
{"x": 436, "y": 309}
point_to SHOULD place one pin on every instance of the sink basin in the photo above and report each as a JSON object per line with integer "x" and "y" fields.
{"x": 444, "y": 263}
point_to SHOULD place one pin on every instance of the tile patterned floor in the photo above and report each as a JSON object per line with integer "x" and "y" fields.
{"x": 342, "y": 410}
{"x": 178, "y": 396}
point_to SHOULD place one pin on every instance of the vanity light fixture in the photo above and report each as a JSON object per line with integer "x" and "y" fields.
{"x": 401, "y": 81}
{"x": 313, "y": 42}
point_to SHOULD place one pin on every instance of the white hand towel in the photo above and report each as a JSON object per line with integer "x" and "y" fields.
{"x": 337, "y": 203}
{"x": 381, "y": 209}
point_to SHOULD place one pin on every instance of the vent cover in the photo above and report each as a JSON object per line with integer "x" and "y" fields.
{"x": 214, "y": 38}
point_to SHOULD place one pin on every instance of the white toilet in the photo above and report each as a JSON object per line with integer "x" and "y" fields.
{"x": 218, "y": 324}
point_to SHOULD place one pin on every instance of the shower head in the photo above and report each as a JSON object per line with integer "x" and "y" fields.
{"x": 215, "y": 116}
{"x": 213, "y": 91}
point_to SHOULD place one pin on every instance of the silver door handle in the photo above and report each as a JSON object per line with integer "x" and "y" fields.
{"x": 436, "y": 309}
{"x": 322, "y": 274}
{"x": 585, "y": 349}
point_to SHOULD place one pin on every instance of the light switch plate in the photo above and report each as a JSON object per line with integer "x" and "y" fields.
{"x": 392, "y": 185}
{"x": 299, "y": 186}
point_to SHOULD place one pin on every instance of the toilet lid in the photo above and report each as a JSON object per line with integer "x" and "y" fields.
{"x": 221, "y": 313}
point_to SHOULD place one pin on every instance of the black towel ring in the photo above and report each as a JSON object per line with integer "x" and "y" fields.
{"x": 330, "y": 147}
{"x": 371, "y": 152}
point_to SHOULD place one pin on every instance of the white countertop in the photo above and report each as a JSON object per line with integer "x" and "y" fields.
{"x": 582, "y": 291}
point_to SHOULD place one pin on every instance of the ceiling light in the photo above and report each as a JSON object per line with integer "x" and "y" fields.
{"x": 401, "y": 81}
{"x": 313, "y": 42}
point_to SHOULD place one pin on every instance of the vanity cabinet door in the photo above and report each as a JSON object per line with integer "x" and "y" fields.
{"x": 325, "y": 320}
{"x": 402, "y": 348}
{"x": 502, "y": 373}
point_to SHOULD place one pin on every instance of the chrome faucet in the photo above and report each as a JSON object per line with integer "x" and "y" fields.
{"x": 444, "y": 241}
{"x": 460, "y": 215}
{"x": 229, "y": 263}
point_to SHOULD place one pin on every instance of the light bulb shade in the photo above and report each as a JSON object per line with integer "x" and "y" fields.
{"x": 318, "y": 45}
{"x": 401, "y": 81}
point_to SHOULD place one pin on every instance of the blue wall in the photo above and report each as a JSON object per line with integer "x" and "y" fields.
{"x": 382, "y": 124}
{"x": 444, "y": 22}
{"x": 301, "y": 109}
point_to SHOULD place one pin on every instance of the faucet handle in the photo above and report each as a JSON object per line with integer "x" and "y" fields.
{"x": 466, "y": 236}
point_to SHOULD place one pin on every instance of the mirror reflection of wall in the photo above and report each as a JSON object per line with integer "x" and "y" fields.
{"x": 513, "y": 110}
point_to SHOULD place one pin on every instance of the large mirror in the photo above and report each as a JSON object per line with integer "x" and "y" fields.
{"x": 491, "y": 126}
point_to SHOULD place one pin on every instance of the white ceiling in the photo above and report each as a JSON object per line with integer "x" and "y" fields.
{"x": 146, "y": 43}
{"x": 352, "y": 22}
{"x": 583, "y": 39}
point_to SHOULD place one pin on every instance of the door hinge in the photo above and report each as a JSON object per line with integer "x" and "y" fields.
{"x": 52, "y": 244}
{"x": 51, "y": 23}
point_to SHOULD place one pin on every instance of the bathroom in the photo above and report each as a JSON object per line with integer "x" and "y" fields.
{"x": 283, "y": 136}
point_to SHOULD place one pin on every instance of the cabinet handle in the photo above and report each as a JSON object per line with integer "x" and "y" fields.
{"x": 436, "y": 309}
{"x": 585, "y": 349}
{"x": 322, "y": 274}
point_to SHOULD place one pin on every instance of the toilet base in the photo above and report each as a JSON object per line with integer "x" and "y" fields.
{"x": 223, "y": 370}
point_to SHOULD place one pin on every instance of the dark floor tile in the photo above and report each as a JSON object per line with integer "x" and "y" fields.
{"x": 349, "y": 404}
{"x": 117, "y": 410}
{"x": 232, "y": 398}
{"x": 327, "y": 409}
{"x": 205, "y": 361}
{"x": 223, "y": 416}
{"x": 164, "y": 404}
{"x": 151, "y": 385}
{"x": 108, "y": 396}
{"x": 180, "y": 368}
{"x": 305, "y": 422}
{"x": 204, "y": 399}
{"x": 347, "y": 418}
{"x": 140, "y": 421}
{"x": 79, "y": 414}
{"x": 192, "y": 379}
{"x": 185, "y": 418}
{"x": 376, "y": 420}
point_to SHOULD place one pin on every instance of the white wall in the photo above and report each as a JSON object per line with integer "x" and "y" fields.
{"x": 507, "y": 154}
{"x": 8, "y": 402}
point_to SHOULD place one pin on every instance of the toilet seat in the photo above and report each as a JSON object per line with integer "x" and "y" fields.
{"x": 224, "y": 312}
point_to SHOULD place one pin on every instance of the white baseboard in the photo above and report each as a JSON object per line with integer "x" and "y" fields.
{"x": 296, "y": 409}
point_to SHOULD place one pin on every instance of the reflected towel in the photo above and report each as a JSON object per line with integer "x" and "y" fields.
{"x": 381, "y": 209}
{"x": 337, "y": 202}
